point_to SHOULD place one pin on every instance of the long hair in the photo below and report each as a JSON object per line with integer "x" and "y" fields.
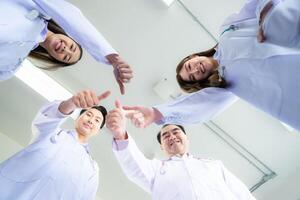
{"x": 213, "y": 80}
{"x": 42, "y": 59}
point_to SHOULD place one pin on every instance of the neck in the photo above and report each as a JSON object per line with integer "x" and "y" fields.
{"x": 215, "y": 63}
{"x": 44, "y": 43}
{"x": 81, "y": 138}
{"x": 178, "y": 154}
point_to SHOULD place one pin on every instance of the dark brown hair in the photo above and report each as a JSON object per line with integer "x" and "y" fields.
{"x": 41, "y": 54}
{"x": 213, "y": 80}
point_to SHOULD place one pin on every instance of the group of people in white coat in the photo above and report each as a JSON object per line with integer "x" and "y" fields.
{"x": 253, "y": 60}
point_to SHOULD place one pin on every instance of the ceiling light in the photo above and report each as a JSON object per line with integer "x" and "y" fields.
{"x": 42, "y": 83}
{"x": 168, "y": 2}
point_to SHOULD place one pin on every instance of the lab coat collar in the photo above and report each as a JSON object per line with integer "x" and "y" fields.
{"x": 179, "y": 157}
{"x": 75, "y": 136}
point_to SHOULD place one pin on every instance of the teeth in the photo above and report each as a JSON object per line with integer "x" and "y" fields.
{"x": 202, "y": 68}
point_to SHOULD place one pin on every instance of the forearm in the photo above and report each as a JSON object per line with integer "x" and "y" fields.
{"x": 195, "y": 108}
{"x": 48, "y": 119}
{"x": 134, "y": 164}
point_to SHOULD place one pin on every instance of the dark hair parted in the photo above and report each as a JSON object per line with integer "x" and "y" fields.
{"x": 159, "y": 136}
{"x": 41, "y": 54}
{"x": 213, "y": 80}
{"x": 101, "y": 109}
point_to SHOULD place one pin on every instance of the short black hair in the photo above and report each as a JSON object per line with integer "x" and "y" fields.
{"x": 101, "y": 109}
{"x": 159, "y": 136}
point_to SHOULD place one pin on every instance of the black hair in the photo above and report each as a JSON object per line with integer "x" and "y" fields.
{"x": 101, "y": 109}
{"x": 159, "y": 136}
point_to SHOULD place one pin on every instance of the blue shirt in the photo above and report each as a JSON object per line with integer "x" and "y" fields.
{"x": 54, "y": 166}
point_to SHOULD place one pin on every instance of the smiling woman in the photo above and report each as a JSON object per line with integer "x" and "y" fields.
{"x": 264, "y": 73}
{"x": 28, "y": 27}
{"x": 58, "y": 49}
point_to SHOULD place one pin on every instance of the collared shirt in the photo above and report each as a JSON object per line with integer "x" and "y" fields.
{"x": 256, "y": 72}
{"x": 54, "y": 166}
{"x": 23, "y": 26}
{"x": 179, "y": 177}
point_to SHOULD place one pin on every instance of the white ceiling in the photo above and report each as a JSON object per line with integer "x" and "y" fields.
{"x": 153, "y": 38}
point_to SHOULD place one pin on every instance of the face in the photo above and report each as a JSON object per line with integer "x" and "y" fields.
{"x": 173, "y": 140}
{"x": 197, "y": 68}
{"x": 88, "y": 123}
{"x": 62, "y": 48}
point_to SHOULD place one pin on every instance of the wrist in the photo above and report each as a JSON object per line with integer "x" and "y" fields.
{"x": 113, "y": 59}
{"x": 157, "y": 116}
{"x": 67, "y": 107}
{"x": 121, "y": 136}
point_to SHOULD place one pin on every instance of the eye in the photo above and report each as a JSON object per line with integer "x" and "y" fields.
{"x": 88, "y": 114}
{"x": 166, "y": 137}
{"x": 97, "y": 120}
{"x": 192, "y": 78}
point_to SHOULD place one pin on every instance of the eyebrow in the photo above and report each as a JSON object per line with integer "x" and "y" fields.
{"x": 93, "y": 114}
{"x": 174, "y": 129}
{"x": 69, "y": 58}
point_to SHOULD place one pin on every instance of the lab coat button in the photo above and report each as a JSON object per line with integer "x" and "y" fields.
{"x": 32, "y": 15}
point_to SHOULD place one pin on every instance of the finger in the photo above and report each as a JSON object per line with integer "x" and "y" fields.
{"x": 82, "y": 101}
{"x": 130, "y": 113}
{"x": 94, "y": 98}
{"x": 76, "y": 101}
{"x": 132, "y": 108}
{"x": 88, "y": 99}
{"x": 124, "y": 69}
{"x": 115, "y": 115}
{"x": 104, "y": 95}
{"x": 122, "y": 87}
{"x": 118, "y": 104}
{"x": 138, "y": 123}
{"x": 125, "y": 80}
{"x": 126, "y": 76}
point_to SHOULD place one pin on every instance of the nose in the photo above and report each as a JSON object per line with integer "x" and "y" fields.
{"x": 90, "y": 121}
{"x": 172, "y": 137}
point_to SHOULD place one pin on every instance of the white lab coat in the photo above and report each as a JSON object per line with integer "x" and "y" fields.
{"x": 282, "y": 24}
{"x": 21, "y": 31}
{"x": 263, "y": 74}
{"x": 55, "y": 166}
{"x": 179, "y": 178}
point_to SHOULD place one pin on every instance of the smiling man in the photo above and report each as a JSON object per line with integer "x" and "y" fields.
{"x": 181, "y": 176}
{"x": 58, "y": 164}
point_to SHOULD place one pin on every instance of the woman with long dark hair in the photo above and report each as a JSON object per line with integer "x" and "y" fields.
{"x": 52, "y": 31}
{"x": 246, "y": 63}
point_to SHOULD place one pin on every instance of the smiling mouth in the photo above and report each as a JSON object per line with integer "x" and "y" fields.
{"x": 87, "y": 126}
{"x": 58, "y": 46}
{"x": 202, "y": 68}
{"x": 172, "y": 143}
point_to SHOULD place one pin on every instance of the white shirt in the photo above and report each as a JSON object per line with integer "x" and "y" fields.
{"x": 179, "y": 178}
{"x": 22, "y": 30}
{"x": 55, "y": 166}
